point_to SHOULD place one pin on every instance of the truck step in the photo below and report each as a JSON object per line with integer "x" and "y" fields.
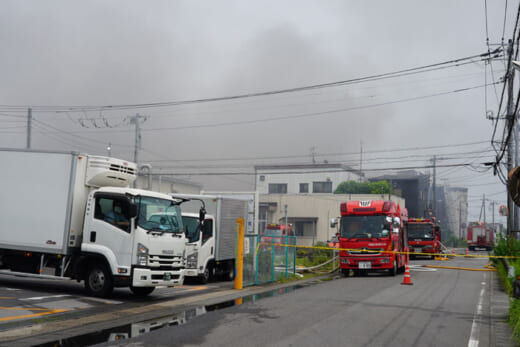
{"x": 23, "y": 274}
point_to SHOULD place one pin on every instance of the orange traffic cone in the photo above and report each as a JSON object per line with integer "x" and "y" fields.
{"x": 406, "y": 279}
{"x": 467, "y": 252}
{"x": 453, "y": 251}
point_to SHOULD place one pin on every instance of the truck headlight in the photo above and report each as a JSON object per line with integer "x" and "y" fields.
{"x": 142, "y": 255}
{"x": 191, "y": 260}
{"x": 385, "y": 260}
{"x": 345, "y": 261}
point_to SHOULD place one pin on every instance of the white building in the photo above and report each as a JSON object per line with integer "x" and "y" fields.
{"x": 307, "y": 192}
{"x": 296, "y": 179}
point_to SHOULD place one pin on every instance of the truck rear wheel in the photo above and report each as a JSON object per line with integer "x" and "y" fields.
{"x": 142, "y": 291}
{"x": 98, "y": 281}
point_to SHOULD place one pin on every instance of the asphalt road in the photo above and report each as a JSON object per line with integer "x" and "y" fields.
{"x": 443, "y": 307}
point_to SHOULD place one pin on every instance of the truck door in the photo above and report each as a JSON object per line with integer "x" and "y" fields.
{"x": 207, "y": 242}
{"x": 110, "y": 227}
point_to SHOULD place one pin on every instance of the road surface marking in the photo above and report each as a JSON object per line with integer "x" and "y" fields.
{"x": 5, "y": 297}
{"x": 46, "y": 312}
{"x": 196, "y": 288}
{"x": 475, "y": 327}
{"x": 44, "y": 297}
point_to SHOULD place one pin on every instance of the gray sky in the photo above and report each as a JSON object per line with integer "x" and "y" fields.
{"x": 61, "y": 53}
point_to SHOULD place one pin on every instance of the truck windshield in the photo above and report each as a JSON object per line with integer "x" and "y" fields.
{"x": 420, "y": 231}
{"x": 157, "y": 214}
{"x": 273, "y": 232}
{"x": 358, "y": 227}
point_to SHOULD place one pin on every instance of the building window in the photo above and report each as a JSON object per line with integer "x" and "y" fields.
{"x": 305, "y": 228}
{"x": 322, "y": 187}
{"x": 277, "y": 188}
{"x": 304, "y": 187}
{"x": 262, "y": 178}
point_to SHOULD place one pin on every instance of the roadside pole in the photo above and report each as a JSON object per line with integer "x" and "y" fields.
{"x": 240, "y": 255}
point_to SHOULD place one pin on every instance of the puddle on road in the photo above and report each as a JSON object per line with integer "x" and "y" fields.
{"x": 128, "y": 331}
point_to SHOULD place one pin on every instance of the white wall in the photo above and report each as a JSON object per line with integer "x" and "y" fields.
{"x": 293, "y": 180}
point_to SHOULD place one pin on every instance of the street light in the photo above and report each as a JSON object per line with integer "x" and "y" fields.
{"x": 109, "y": 149}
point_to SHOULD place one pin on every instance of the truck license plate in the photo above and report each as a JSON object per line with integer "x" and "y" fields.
{"x": 417, "y": 250}
{"x": 365, "y": 265}
{"x": 167, "y": 276}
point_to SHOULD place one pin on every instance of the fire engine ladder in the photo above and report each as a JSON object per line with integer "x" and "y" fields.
{"x": 444, "y": 248}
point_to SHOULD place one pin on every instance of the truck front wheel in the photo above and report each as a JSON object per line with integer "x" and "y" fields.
{"x": 98, "y": 281}
{"x": 142, "y": 291}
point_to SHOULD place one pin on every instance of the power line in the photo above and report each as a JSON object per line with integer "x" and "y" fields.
{"x": 398, "y": 73}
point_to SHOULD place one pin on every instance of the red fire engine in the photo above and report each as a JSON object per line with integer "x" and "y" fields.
{"x": 276, "y": 233}
{"x": 424, "y": 236}
{"x": 480, "y": 236}
{"x": 370, "y": 232}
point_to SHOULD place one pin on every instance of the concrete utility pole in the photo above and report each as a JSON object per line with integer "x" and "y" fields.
{"x": 512, "y": 224}
{"x": 29, "y": 127}
{"x": 137, "y": 146}
{"x": 460, "y": 220}
{"x": 434, "y": 188}
{"x": 361, "y": 162}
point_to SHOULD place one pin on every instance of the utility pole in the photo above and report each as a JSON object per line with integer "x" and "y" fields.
{"x": 460, "y": 220}
{"x": 137, "y": 145}
{"x": 29, "y": 127}
{"x": 361, "y": 162}
{"x": 512, "y": 224}
{"x": 434, "y": 185}
{"x": 493, "y": 218}
{"x": 484, "y": 206}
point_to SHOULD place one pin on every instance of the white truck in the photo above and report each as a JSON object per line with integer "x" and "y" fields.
{"x": 72, "y": 216}
{"x": 211, "y": 247}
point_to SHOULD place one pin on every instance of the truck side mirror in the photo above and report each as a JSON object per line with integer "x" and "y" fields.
{"x": 333, "y": 222}
{"x": 202, "y": 214}
{"x": 132, "y": 211}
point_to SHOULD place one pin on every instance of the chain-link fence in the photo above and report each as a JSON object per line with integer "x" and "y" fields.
{"x": 268, "y": 258}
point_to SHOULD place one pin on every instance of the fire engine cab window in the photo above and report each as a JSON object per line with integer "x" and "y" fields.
{"x": 113, "y": 211}
{"x": 359, "y": 227}
{"x": 418, "y": 231}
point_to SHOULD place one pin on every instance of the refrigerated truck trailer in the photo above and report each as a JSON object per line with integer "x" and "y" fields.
{"x": 73, "y": 216}
{"x": 211, "y": 249}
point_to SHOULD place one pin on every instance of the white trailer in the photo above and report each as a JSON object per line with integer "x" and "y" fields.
{"x": 211, "y": 248}
{"x": 68, "y": 215}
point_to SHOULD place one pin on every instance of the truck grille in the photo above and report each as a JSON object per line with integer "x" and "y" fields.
{"x": 371, "y": 251}
{"x": 165, "y": 262}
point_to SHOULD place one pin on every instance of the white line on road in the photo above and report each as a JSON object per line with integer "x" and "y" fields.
{"x": 44, "y": 297}
{"x": 475, "y": 327}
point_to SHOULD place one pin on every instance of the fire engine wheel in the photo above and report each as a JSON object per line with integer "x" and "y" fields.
{"x": 345, "y": 272}
{"x": 141, "y": 291}
{"x": 98, "y": 281}
{"x": 393, "y": 270}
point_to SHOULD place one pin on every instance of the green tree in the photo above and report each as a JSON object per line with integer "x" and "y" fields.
{"x": 353, "y": 187}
